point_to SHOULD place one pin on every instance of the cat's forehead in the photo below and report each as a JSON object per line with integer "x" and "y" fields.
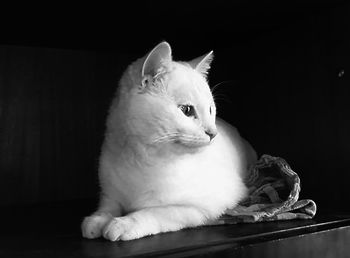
{"x": 188, "y": 85}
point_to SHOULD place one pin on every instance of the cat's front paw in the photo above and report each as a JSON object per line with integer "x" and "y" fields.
{"x": 92, "y": 226}
{"x": 121, "y": 228}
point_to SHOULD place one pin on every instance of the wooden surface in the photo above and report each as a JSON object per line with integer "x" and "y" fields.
{"x": 53, "y": 231}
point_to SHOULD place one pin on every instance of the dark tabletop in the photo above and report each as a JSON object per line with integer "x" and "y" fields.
{"x": 54, "y": 231}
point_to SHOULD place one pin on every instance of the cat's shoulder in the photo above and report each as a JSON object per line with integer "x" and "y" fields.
{"x": 226, "y": 128}
{"x": 229, "y": 133}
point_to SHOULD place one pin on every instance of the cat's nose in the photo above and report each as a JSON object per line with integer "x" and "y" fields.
{"x": 211, "y": 134}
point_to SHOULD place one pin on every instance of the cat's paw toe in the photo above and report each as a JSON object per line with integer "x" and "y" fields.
{"x": 91, "y": 226}
{"x": 130, "y": 235}
{"x": 115, "y": 229}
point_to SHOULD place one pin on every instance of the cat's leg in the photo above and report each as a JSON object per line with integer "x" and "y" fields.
{"x": 92, "y": 225}
{"x": 150, "y": 221}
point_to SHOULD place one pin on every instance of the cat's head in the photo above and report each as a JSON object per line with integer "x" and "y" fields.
{"x": 169, "y": 102}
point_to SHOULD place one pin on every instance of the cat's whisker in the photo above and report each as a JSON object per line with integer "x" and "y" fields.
{"x": 175, "y": 136}
{"x": 166, "y": 138}
{"x": 221, "y": 97}
{"x": 218, "y": 84}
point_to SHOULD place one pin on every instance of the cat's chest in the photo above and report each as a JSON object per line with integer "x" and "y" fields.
{"x": 187, "y": 180}
{"x": 210, "y": 178}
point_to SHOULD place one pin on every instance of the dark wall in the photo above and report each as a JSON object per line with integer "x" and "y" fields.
{"x": 285, "y": 87}
{"x": 49, "y": 124}
{"x": 291, "y": 99}
{"x": 53, "y": 105}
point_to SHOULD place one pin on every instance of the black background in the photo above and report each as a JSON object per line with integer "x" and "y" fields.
{"x": 286, "y": 88}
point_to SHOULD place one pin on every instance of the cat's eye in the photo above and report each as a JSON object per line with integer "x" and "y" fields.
{"x": 210, "y": 110}
{"x": 188, "y": 110}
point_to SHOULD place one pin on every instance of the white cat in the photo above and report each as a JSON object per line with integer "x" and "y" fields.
{"x": 167, "y": 163}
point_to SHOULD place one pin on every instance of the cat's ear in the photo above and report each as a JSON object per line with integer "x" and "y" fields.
{"x": 158, "y": 59}
{"x": 202, "y": 63}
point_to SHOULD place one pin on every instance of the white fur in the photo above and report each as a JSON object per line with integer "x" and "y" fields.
{"x": 159, "y": 171}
